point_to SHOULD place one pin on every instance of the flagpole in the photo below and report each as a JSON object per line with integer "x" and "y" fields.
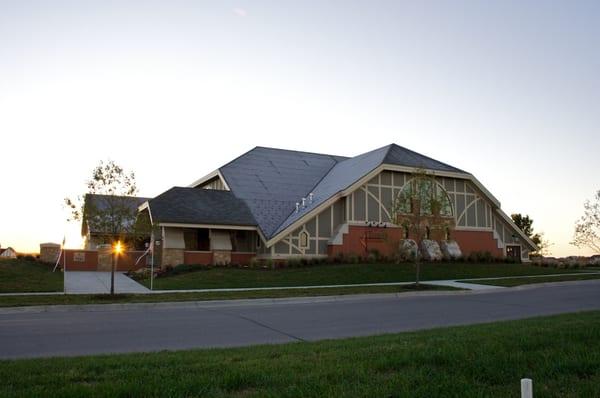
{"x": 64, "y": 265}
{"x": 152, "y": 264}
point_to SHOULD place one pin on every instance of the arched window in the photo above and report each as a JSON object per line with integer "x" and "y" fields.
{"x": 406, "y": 232}
{"x": 447, "y": 233}
{"x": 303, "y": 239}
{"x": 425, "y": 193}
{"x": 427, "y": 232}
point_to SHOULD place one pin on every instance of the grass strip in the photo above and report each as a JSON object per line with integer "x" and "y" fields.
{"x": 560, "y": 353}
{"x": 20, "y": 275}
{"x": 338, "y": 274}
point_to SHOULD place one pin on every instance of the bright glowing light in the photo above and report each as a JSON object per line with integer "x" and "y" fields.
{"x": 118, "y": 248}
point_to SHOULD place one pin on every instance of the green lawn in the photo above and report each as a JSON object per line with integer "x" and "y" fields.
{"x": 19, "y": 275}
{"x": 561, "y": 354}
{"x": 510, "y": 282}
{"x": 78, "y": 299}
{"x": 340, "y": 274}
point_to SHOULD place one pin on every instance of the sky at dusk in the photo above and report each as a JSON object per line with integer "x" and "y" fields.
{"x": 172, "y": 90}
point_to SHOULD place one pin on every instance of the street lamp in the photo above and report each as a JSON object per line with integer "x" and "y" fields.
{"x": 117, "y": 249}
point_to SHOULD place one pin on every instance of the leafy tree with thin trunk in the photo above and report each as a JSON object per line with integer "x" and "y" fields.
{"x": 587, "y": 228}
{"x": 419, "y": 208}
{"x": 107, "y": 209}
{"x": 525, "y": 223}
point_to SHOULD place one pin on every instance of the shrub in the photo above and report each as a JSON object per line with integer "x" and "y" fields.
{"x": 481, "y": 257}
{"x": 254, "y": 263}
{"x": 353, "y": 259}
{"x": 374, "y": 256}
{"x": 293, "y": 262}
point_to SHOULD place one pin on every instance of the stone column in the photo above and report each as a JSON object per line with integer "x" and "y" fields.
{"x": 105, "y": 254}
{"x": 49, "y": 252}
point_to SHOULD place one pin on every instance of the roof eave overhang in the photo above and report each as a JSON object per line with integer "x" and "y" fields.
{"x": 213, "y": 226}
{"x": 510, "y": 222}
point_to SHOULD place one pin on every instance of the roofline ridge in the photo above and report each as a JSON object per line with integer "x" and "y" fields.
{"x": 298, "y": 151}
{"x": 425, "y": 156}
{"x": 311, "y": 190}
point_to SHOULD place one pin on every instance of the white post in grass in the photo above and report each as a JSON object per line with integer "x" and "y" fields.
{"x": 526, "y": 388}
{"x": 152, "y": 265}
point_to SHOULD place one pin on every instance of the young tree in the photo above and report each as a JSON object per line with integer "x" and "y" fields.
{"x": 525, "y": 223}
{"x": 587, "y": 228}
{"x": 111, "y": 215}
{"x": 420, "y": 207}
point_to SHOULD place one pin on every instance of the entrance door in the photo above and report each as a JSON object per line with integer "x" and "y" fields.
{"x": 514, "y": 252}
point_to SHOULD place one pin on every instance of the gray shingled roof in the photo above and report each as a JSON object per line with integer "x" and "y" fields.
{"x": 347, "y": 172}
{"x": 200, "y": 206}
{"x": 401, "y": 156}
{"x": 271, "y": 181}
{"x": 266, "y": 183}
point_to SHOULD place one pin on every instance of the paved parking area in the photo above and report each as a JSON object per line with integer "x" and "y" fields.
{"x": 80, "y": 282}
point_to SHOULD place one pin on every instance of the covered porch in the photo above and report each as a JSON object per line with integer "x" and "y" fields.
{"x": 206, "y": 245}
{"x": 201, "y": 226}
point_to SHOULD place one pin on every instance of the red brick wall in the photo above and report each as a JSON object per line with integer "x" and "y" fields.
{"x": 241, "y": 258}
{"x": 386, "y": 241}
{"x": 90, "y": 258}
{"x": 204, "y": 258}
{"x": 470, "y": 241}
{"x": 360, "y": 240}
{"x": 127, "y": 261}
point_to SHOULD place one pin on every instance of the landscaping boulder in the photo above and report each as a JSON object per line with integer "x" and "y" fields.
{"x": 450, "y": 249}
{"x": 408, "y": 249}
{"x": 430, "y": 250}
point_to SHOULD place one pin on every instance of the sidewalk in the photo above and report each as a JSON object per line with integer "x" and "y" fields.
{"x": 79, "y": 282}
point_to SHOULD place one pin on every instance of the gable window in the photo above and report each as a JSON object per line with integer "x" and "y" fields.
{"x": 303, "y": 239}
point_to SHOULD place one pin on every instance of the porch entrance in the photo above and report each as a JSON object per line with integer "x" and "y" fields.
{"x": 514, "y": 252}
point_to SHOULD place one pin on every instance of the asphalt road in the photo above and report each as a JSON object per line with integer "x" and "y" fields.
{"x": 96, "y": 330}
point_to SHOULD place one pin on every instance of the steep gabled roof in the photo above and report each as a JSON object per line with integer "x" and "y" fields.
{"x": 270, "y": 181}
{"x": 400, "y": 156}
{"x": 200, "y": 206}
{"x": 347, "y": 172}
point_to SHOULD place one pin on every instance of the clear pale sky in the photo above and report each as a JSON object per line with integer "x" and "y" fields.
{"x": 509, "y": 91}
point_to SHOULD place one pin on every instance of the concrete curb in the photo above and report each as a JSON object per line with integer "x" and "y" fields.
{"x": 208, "y": 304}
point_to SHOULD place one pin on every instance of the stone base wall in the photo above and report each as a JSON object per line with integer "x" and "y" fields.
{"x": 105, "y": 254}
{"x": 222, "y": 257}
{"x": 172, "y": 257}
